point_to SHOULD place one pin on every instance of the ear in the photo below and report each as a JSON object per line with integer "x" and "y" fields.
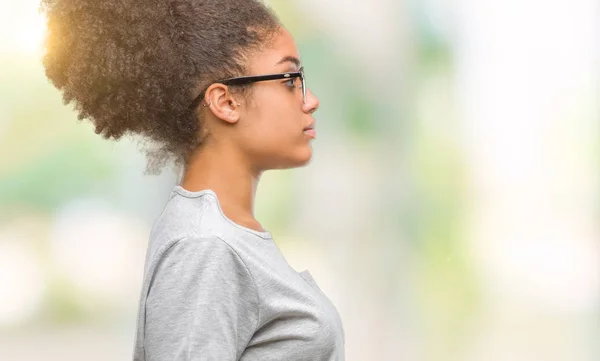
{"x": 222, "y": 103}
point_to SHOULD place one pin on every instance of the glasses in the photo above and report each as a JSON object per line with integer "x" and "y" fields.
{"x": 243, "y": 80}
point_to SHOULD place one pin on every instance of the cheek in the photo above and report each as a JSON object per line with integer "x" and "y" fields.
{"x": 273, "y": 137}
{"x": 276, "y": 118}
{"x": 274, "y": 132}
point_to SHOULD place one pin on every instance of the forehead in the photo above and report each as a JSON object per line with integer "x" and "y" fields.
{"x": 269, "y": 60}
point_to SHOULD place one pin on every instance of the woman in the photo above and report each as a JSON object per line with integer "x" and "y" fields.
{"x": 217, "y": 87}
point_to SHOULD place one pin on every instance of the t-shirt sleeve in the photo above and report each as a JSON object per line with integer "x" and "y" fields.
{"x": 202, "y": 303}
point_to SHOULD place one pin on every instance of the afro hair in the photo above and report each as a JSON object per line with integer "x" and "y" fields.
{"x": 132, "y": 67}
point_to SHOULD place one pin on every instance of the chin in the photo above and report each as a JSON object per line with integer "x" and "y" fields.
{"x": 301, "y": 158}
{"x": 306, "y": 156}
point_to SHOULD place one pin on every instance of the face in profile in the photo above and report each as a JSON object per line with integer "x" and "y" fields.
{"x": 271, "y": 122}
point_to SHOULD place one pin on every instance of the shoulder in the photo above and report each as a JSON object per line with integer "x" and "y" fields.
{"x": 201, "y": 263}
{"x": 209, "y": 249}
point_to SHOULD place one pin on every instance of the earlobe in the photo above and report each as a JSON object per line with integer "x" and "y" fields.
{"x": 233, "y": 116}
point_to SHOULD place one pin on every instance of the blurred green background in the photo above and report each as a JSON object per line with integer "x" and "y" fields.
{"x": 450, "y": 210}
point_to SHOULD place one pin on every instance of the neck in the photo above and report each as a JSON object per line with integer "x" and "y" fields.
{"x": 231, "y": 177}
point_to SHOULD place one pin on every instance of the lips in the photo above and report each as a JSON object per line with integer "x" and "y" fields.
{"x": 310, "y": 132}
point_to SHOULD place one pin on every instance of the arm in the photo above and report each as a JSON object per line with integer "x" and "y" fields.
{"x": 202, "y": 304}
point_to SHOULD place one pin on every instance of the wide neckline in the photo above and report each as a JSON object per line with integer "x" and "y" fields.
{"x": 195, "y": 194}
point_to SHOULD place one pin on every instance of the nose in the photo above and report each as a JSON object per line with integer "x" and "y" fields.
{"x": 311, "y": 104}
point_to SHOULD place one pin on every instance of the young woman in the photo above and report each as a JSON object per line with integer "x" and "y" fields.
{"x": 218, "y": 88}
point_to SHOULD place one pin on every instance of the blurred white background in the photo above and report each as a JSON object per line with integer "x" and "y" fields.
{"x": 450, "y": 211}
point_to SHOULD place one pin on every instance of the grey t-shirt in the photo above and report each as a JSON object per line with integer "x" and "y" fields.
{"x": 214, "y": 290}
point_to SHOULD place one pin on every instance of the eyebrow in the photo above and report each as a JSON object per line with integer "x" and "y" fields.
{"x": 291, "y": 59}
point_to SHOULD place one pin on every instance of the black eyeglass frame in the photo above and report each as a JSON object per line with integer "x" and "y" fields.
{"x": 243, "y": 80}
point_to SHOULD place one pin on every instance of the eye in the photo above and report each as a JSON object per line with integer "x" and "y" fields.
{"x": 290, "y": 83}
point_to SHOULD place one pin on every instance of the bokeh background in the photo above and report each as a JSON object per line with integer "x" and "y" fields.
{"x": 450, "y": 210}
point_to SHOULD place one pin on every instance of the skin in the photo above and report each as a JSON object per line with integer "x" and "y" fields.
{"x": 263, "y": 132}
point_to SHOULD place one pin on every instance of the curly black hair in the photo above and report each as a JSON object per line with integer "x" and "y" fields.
{"x": 133, "y": 66}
